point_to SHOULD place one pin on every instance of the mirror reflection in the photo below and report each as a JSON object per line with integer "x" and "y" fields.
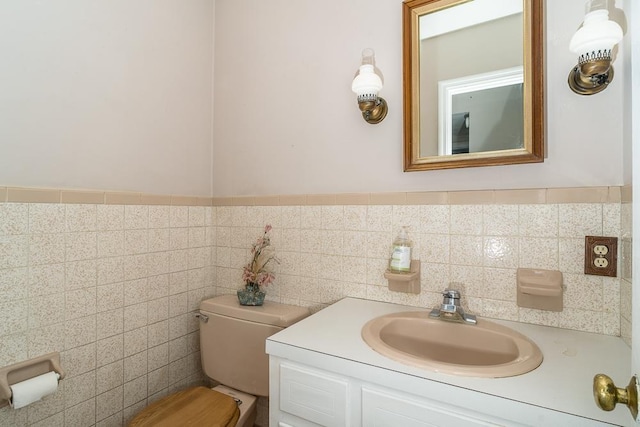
{"x": 491, "y": 102}
{"x": 470, "y": 83}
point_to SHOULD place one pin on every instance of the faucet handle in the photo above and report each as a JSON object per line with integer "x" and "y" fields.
{"x": 451, "y": 293}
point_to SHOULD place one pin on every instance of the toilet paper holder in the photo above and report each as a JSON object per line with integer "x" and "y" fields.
{"x": 22, "y": 371}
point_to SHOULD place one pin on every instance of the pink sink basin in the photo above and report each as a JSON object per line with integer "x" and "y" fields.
{"x": 485, "y": 349}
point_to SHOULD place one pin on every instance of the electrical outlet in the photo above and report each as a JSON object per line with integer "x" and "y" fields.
{"x": 600, "y": 250}
{"x": 601, "y": 262}
{"x": 601, "y": 256}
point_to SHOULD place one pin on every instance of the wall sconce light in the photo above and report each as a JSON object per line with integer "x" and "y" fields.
{"x": 366, "y": 85}
{"x": 593, "y": 43}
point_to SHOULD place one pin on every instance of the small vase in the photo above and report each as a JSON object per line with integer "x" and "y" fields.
{"x": 251, "y": 295}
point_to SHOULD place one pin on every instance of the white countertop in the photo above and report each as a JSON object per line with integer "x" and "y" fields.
{"x": 563, "y": 381}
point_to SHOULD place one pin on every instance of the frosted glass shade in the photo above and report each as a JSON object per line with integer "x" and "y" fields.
{"x": 367, "y": 83}
{"x": 597, "y": 36}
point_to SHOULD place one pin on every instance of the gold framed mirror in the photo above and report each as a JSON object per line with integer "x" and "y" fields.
{"x": 473, "y": 77}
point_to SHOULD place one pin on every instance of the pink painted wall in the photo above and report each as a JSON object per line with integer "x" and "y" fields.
{"x": 106, "y": 95}
{"x": 286, "y": 121}
{"x": 250, "y": 99}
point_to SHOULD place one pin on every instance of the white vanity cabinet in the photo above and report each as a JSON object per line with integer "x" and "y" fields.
{"x": 305, "y": 396}
{"x": 323, "y": 374}
{"x": 311, "y": 397}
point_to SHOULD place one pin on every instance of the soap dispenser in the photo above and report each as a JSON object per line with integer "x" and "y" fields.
{"x": 400, "y": 261}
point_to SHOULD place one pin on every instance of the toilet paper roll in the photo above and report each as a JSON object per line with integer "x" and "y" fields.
{"x": 26, "y": 392}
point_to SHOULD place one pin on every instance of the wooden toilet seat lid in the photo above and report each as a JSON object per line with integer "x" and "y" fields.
{"x": 196, "y": 406}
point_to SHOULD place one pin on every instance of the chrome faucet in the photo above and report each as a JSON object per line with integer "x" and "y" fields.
{"x": 451, "y": 310}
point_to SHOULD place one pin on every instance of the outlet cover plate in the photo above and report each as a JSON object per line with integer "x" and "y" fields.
{"x": 590, "y": 256}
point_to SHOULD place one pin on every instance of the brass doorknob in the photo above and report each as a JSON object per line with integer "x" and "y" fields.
{"x": 608, "y": 395}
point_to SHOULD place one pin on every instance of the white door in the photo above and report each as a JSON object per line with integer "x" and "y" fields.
{"x": 631, "y": 73}
{"x": 632, "y": 117}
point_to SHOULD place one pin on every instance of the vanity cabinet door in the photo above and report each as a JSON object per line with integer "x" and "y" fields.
{"x": 314, "y": 395}
{"x": 384, "y": 409}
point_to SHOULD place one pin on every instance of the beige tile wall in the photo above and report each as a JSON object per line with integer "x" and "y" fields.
{"x": 329, "y": 252}
{"x": 626, "y": 265}
{"x": 113, "y": 289}
{"x": 113, "y": 284}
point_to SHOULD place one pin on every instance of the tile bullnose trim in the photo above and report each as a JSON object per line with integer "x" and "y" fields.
{"x": 482, "y": 197}
{"x": 532, "y": 196}
{"x": 626, "y": 193}
{"x": 82, "y": 197}
{"x": 33, "y": 195}
{"x": 353, "y": 199}
{"x": 222, "y": 201}
{"x": 96, "y": 197}
{"x": 612, "y": 194}
{"x": 321, "y": 199}
{"x": 293, "y": 200}
{"x": 152, "y": 199}
{"x": 428, "y": 198}
{"x": 388, "y": 198}
{"x": 578, "y": 195}
{"x": 117, "y": 198}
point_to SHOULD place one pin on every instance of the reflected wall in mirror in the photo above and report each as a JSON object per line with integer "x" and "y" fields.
{"x": 473, "y": 83}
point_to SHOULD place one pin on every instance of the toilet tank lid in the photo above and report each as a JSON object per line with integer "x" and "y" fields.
{"x": 271, "y": 313}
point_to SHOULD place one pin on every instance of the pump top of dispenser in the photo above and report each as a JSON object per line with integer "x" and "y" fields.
{"x": 403, "y": 235}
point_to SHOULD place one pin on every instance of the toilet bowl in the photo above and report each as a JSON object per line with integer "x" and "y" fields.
{"x": 246, "y": 403}
{"x": 232, "y": 349}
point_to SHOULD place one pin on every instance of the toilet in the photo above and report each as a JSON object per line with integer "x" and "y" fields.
{"x": 232, "y": 348}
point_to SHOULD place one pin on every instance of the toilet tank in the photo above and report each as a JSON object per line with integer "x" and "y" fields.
{"x": 232, "y": 340}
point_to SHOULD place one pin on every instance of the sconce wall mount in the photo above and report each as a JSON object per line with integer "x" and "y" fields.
{"x": 373, "y": 110}
{"x": 593, "y": 43}
{"x": 591, "y": 76}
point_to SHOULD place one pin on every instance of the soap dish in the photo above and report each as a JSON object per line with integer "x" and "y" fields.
{"x": 539, "y": 289}
{"x": 405, "y": 282}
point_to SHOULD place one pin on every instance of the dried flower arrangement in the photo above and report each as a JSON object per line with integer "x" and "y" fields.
{"x": 258, "y": 274}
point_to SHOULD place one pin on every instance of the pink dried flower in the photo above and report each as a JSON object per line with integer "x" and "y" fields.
{"x": 258, "y": 271}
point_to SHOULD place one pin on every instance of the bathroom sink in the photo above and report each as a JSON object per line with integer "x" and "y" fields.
{"x": 485, "y": 349}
